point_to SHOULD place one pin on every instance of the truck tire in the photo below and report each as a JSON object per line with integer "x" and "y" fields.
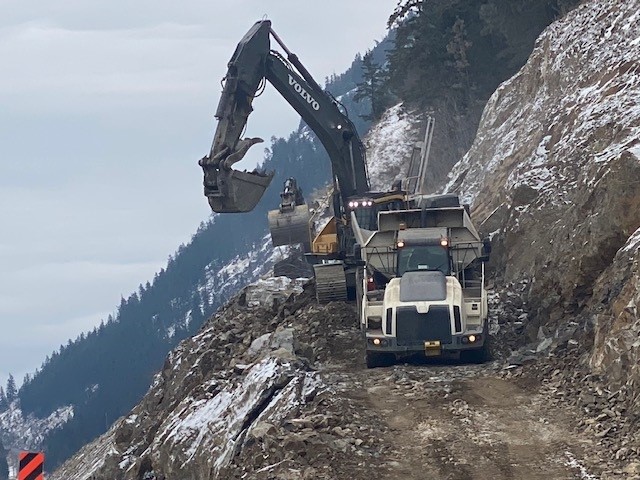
{"x": 375, "y": 360}
{"x": 482, "y": 354}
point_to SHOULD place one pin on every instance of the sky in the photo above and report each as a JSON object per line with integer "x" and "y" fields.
{"x": 105, "y": 108}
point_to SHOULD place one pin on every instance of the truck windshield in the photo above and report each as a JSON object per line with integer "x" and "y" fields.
{"x": 423, "y": 257}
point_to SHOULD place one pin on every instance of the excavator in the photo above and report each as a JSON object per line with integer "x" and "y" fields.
{"x": 230, "y": 191}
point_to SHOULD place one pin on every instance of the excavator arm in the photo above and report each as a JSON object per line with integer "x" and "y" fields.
{"x": 253, "y": 61}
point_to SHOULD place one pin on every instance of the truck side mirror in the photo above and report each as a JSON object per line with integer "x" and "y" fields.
{"x": 486, "y": 249}
{"x": 357, "y": 252}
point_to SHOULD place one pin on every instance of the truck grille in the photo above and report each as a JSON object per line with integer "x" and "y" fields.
{"x": 413, "y": 328}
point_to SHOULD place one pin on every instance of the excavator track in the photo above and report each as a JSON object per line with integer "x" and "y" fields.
{"x": 331, "y": 282}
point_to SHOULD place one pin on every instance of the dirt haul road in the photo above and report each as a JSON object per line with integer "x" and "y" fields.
{"x": 458, "y": 421}
{"x": 313, "y": 411}
{"x": 462, "y": 422}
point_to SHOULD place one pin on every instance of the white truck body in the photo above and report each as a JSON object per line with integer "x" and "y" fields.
{"x": 423, "y": 287}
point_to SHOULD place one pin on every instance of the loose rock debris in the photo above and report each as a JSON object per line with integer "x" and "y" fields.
{"x": 312, "y": 409}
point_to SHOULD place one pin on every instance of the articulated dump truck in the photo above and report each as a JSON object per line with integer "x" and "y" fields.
{"x": 422, "y": 289}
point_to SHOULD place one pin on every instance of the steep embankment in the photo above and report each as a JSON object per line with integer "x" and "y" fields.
{"x": 554, "y": 168}
{"x": 553, "y": 175}
{"x": 275, "y": 386}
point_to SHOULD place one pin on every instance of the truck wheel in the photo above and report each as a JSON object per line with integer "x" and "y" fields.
{"x": 375, "y": 360}
{"x": 482, "y": 354}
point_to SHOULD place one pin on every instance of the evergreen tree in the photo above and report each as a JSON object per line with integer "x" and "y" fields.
{"x": 373, "y": 88}
{"x": 458, "y": 51}
{"x": 4, "y": 404}
{"x": 12, "y": 391}
{"x": 4, "y": 467}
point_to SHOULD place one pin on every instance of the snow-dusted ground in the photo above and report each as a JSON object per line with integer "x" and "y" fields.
{"x": 212, "y": 420}
{"x": 389, "y": 144}
{"x": 27, "y": 433}
{"x": 224, "y": 281}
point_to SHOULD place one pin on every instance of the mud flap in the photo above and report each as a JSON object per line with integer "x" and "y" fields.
{"x": 289, "y": 228}
{"x": 237, "y": 191}
{"x": 331, "y": 282}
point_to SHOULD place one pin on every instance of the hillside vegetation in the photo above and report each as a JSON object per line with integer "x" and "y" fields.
{"x": 451, "y": 55}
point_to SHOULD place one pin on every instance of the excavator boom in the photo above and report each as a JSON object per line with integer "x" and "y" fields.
{"x": 252, "y": 63}
{"x": 230, "y": 190}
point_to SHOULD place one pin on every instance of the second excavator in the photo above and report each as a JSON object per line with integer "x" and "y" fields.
{"x": 229, "y": 190}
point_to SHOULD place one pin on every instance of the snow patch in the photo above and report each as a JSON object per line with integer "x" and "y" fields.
{"x": 28, "y": 432}
{"x": 389, "y": 144}
{"x": 633, "y": 243}
{"x": 216, "y": 424}
{"x": 572, "y": 462}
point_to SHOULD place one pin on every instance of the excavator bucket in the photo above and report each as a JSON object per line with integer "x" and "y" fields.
{"x": 290, "y": 226}
{"x": 238, "y": 191}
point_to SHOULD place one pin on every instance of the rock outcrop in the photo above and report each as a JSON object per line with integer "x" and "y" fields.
{"x": 242, "y": 397}
{"x": 554, "y": 179}
{"x": 616, "y": 303}
{"x": 553, "y": 172}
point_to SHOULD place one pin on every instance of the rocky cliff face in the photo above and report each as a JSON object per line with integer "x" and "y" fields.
{"x": 553, "y": 177}
{"x": 616, "y": 305}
